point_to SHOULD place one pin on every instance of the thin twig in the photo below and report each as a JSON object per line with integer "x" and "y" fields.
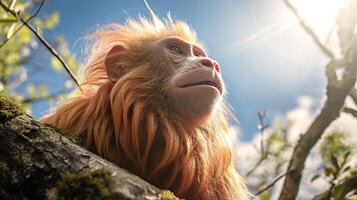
{"x": 22, "y": 25}
{"x": 329, "y": 35}
{"x": 257, "y": 164}
{"x": 272, "y": 183}
{"x": 43, "y": 42}
{"x": 351, "y": 111}
{"x": 8, "y": 20}
{"x": 263, "y": 154}
{"x": 261, "y": 128}
{"x": 309, "y": 30}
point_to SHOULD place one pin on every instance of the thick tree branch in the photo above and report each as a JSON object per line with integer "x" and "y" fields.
{"x": 309, "y": 30}
{"x": 337, "y": 92}
{"x": 43, "y": 42}
{"x": 38, "y": 162}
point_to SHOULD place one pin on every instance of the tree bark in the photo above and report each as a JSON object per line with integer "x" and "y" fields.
{"x": 38, "y": 162}
{"x": 337, "y": 91}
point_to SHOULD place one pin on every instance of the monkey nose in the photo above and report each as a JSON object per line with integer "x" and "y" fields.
{"x": 217, "y": 67}
{"x": 209, "y": 63}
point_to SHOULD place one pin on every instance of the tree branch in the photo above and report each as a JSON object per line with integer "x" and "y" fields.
{"x": 272, "y": 183}
{"x": 257, "y": 164}
{"x": 7, "y": 21}
{"x": 309, "y": 31}
{"x": 261, "y": 127}
{"x": 351, "y": 111}
{"x": 337, "y": 92}
{"x": 43, "y": 42}
{"x": 22, "y": 25}
{"x": 36, "y": 155}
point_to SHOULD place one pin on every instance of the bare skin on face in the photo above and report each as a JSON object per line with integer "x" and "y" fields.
{"x": 196, "y": 85}
{"x": 192, "y": 80}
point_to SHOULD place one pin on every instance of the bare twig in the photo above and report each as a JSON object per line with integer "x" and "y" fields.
{"x": 8, "y": 20}
{"x": 257, "y": 164}
{"x": 261, "y": 127}
{"x": 309, "y": 30}
{"x": 337, "y": 91}
{"x": 272, "y": 183}
{"x": 263, "y": 154}
{"x": 22, "y": 25}
{"x": 351, "y": 111}
{"x": 43, "y": 42}
{"x": 329, "y": 35}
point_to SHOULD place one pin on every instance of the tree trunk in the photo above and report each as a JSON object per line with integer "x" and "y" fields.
{"x": 38, "y": 162}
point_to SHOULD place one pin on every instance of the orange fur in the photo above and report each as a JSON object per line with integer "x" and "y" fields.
{"x": 129, "y": 124}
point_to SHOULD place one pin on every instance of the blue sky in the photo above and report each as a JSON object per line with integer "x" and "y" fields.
{"x": 267, "y": 61}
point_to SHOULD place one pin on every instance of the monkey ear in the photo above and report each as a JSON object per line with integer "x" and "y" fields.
{"x": 112, "y": 64}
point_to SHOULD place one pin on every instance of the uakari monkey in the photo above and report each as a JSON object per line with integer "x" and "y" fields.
{"x": 152, "y": 102}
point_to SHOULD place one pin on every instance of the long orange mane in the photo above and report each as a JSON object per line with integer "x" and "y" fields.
{"x": 126, "y": 123}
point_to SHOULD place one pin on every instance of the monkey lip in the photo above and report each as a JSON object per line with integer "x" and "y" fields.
{"x": 211, "y": 83}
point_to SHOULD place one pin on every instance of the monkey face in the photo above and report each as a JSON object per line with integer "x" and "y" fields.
{"x": 180, "y": 77}
{"x": 195, "y": 84}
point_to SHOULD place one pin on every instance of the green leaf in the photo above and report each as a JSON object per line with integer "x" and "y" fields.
{"x": 11, "y": 31}
{"x": 12, "y": 6}
{"x": 31, "y": 90}
{"x": 38, "y": 23}
{"x": 265, "y": 196}
{"x": 328, "y": 171}
{"x": 24, "y": 35}
{"x": 345, "y": 158}
{"x": 12, "y": 59}
{"x": 56, "y": 65}
{"x": 335, "y": 163}
{"x": 43, "y": 90}
{"x": 52, "y": 21}
{"x": 346, "y": 169}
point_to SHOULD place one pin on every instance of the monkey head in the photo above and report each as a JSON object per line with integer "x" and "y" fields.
{"x": 153, "y": 103}
{"x": 187, "y": 82}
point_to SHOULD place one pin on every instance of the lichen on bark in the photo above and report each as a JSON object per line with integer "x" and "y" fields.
{"x": 88, "y": 184}
{"x": 8, "y": 108}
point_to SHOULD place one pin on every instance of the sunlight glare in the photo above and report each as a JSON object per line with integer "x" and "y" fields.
{"x": 319, "y": 14}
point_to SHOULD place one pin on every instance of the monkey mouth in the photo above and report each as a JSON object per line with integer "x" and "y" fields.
{"x": 204, "y": 83}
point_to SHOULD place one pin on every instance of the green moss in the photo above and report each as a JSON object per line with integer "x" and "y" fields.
{"x": 167, "y": 195}
{"x": 85, "y": 185}
{"x": 8, "y": 108}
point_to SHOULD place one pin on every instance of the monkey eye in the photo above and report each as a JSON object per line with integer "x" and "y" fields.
{"x": 198, "y": 54}
{"x": 176, "y": 49}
